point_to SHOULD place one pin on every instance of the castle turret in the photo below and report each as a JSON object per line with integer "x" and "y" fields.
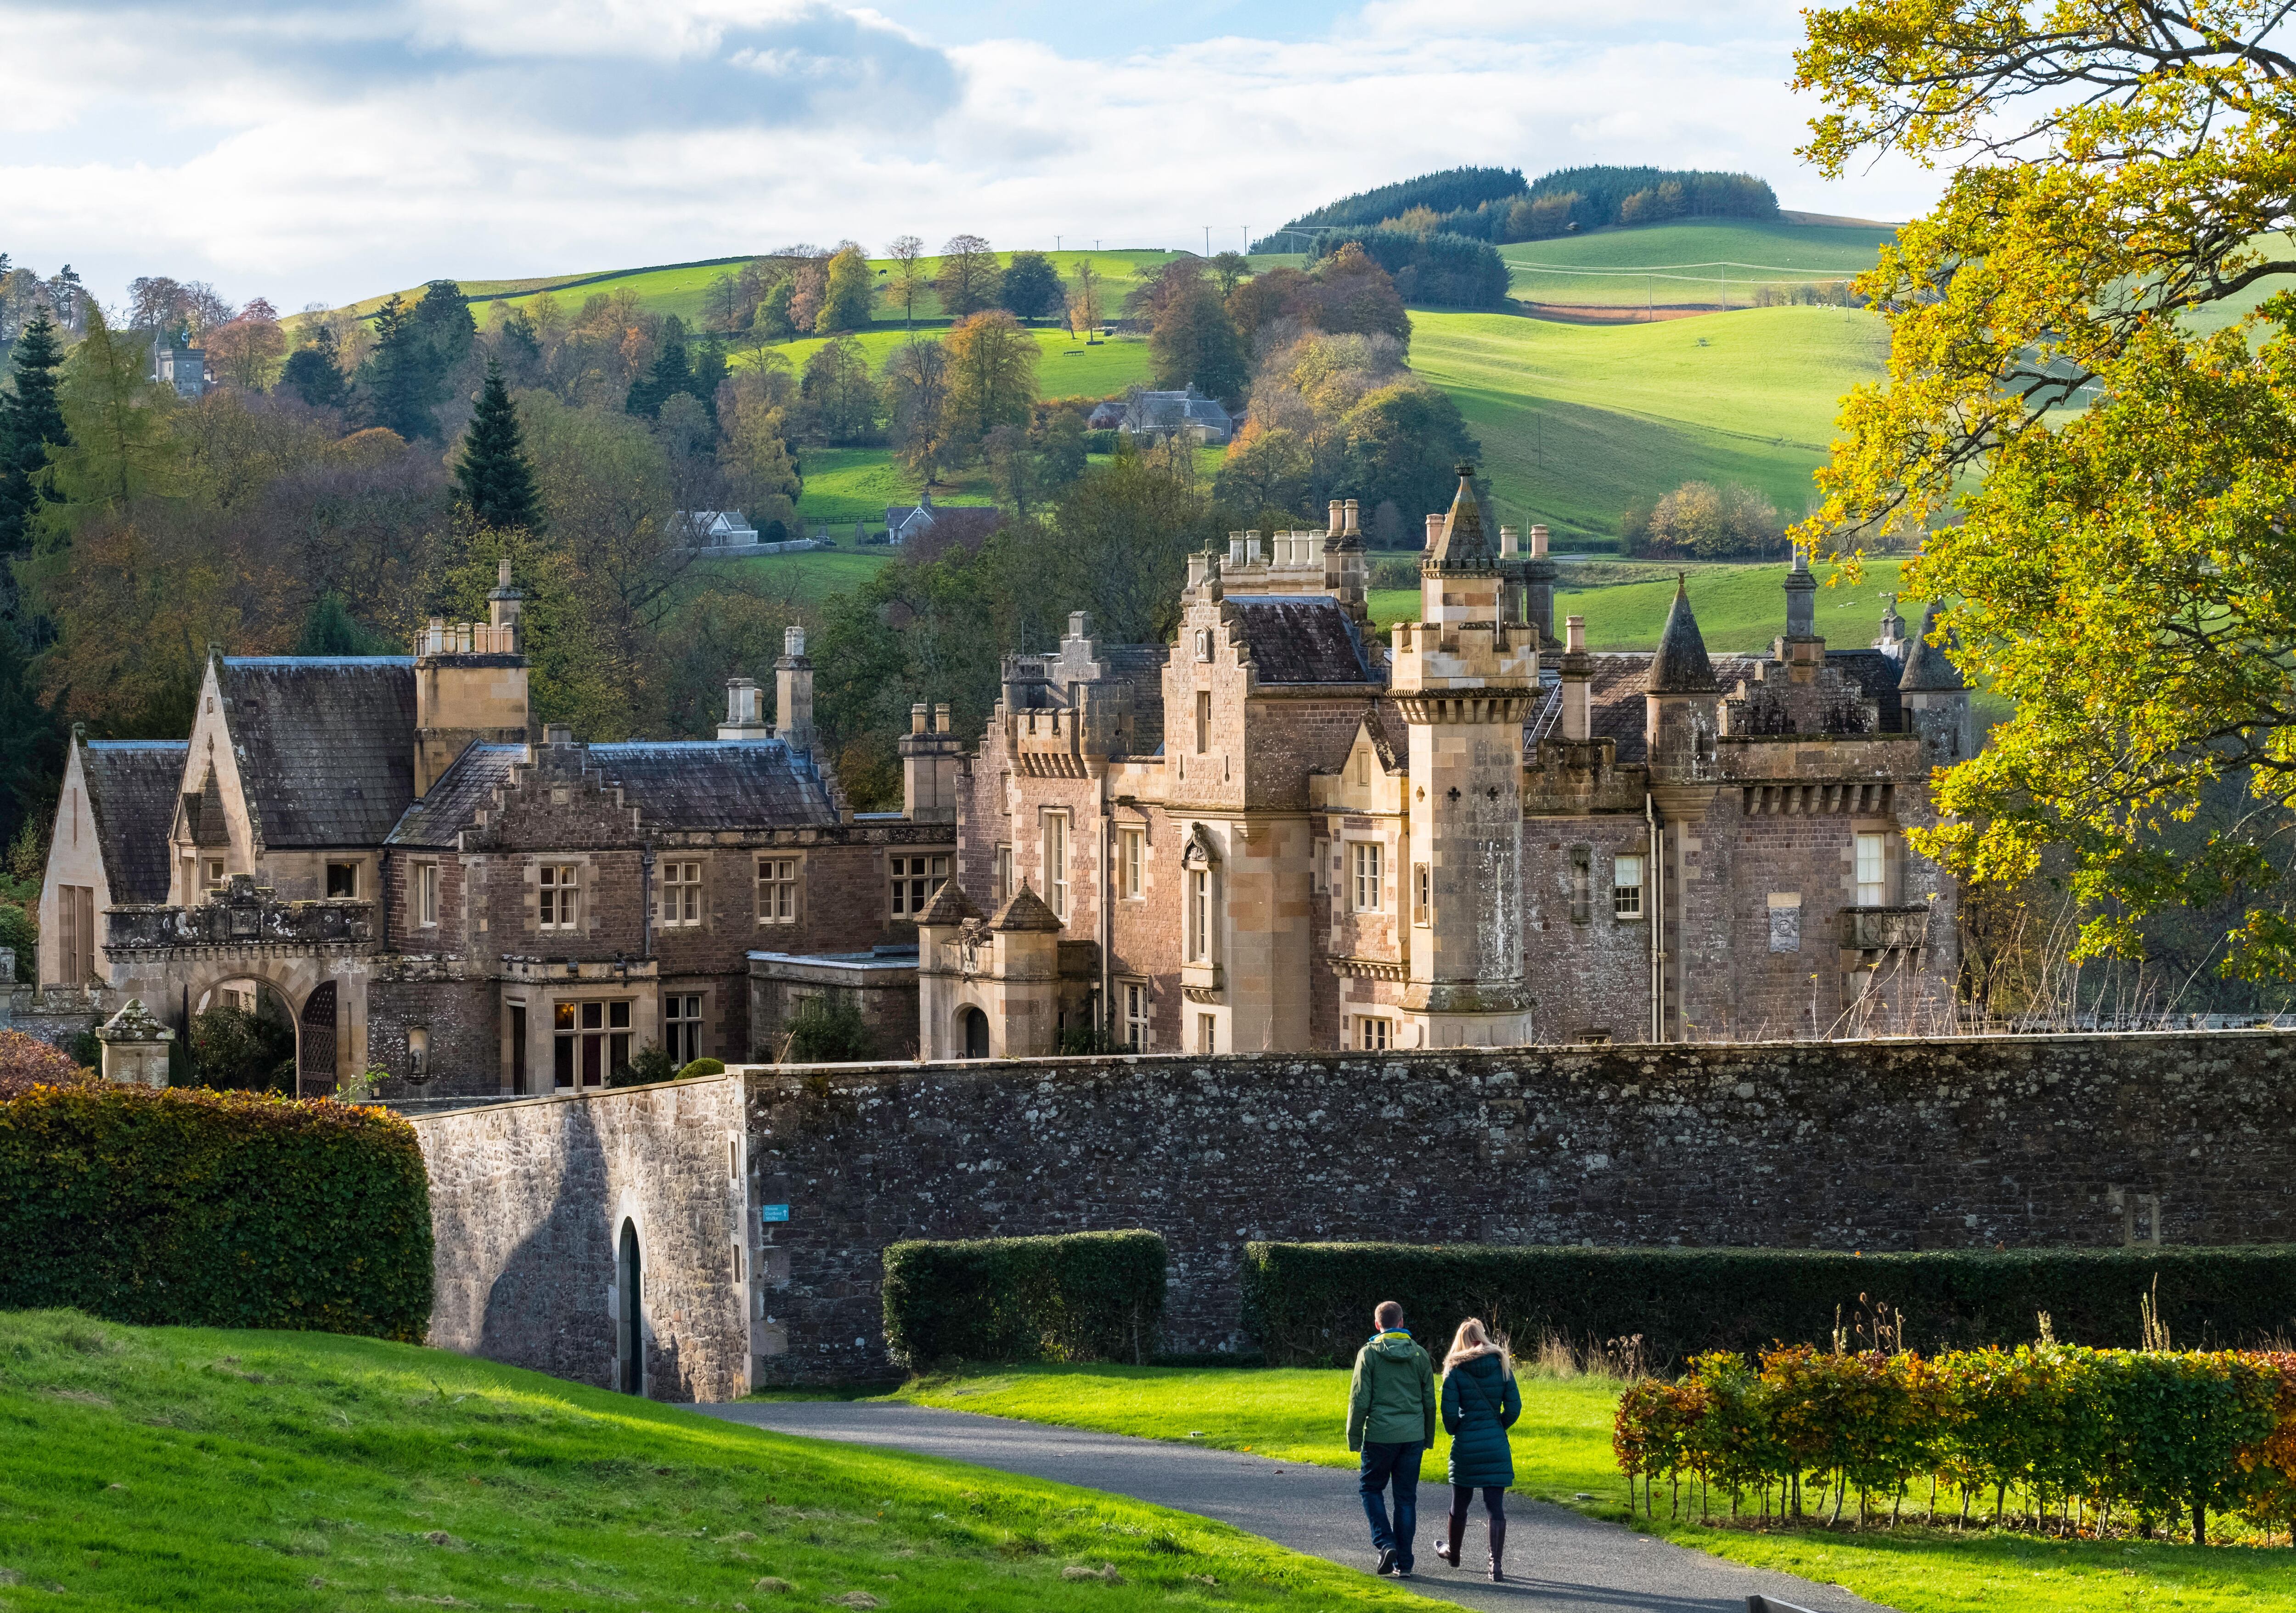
{"x": 1934, "y": 695}
{"x": 470, "y": 683}
{"x": 1679, "y": 698}
{"x": 1465, "y": 680}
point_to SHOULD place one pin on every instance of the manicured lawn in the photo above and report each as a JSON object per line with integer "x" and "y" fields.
{"x": 1563, "y": 1453}
{"x": 194, "y": 1470}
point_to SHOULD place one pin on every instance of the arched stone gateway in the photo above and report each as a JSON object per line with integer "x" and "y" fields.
{"x": 314, "y": 1044}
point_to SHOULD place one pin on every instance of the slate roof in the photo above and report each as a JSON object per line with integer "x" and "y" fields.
{"x": 132, "y": 787}
{"x": 1928, "y": 667}
{"x": 325, "y": 745}
{"x": 1301, "y": 639}
{"x": 1141, "y": 668}
{"x": 1025, "y": 912}
{"x": 949, "y": 907}
{"x": 715, "y": 784}
{"x": 1684, "y": 666}
{"x": 1463, "y": 544}
{"x": 457, "y": 796}
{"x": 1614, "y": 696}
{"x": 1876, "y": 673}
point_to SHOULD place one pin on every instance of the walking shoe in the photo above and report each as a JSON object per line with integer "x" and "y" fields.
{"x": 1386, "y": 1563}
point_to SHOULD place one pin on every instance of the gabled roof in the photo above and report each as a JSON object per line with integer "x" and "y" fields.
{"x": 132, "y": 787}
{"x": 325, "y": 745}
{"x": 1682, "y": 666}
{"x": 1303, "y": 638}
{"x": 1929, "y": 669}
{"x": 457, "y": 796}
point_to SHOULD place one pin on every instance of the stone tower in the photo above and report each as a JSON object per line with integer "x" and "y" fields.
{"x": 1464, "y": 679}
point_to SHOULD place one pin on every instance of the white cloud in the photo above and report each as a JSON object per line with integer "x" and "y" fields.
{"x": 282, "y": 147}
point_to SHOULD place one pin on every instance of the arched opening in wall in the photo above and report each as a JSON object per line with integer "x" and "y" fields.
{"x": 629, "y": 1316}
{"x": 314, "y": 1044}
{"x": 974, "y": 1024}
{"x": 242, "y": 1036}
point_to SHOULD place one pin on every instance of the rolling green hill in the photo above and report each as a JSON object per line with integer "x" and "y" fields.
{"x": 1694, "y": 262}
{"x": 1067, "y": 368}
{"x": 1578, "y": 420}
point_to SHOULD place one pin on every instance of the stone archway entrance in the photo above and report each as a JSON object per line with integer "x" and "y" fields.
{"x": 314, "y": 1044}
{"x": 975, "y": 1025}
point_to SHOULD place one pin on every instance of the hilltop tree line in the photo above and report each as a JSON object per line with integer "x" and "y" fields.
{"x": 1490, "y": 204}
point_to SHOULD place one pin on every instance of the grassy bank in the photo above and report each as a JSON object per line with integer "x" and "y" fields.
{"x": 1690, "y": 261}
{"x": 1562, "y": 1453}
{"x": 197, "y": 1470}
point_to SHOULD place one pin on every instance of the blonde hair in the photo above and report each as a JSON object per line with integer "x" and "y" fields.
{"x": 1473, "y": 1338}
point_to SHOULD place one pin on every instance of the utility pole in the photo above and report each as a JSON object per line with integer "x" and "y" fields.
{"x": 1057, "y": 243}
{"x": 1208, "y": 240}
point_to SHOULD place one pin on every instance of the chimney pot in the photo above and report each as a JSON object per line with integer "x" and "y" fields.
{"x": 1251, "y": 548}
{"x": 1510, "y": 541}
{"x": 1078, "y": 624}
{"x": 1338, "y": 508}
{"x": 917, "y": 717}
{"x": 1574, "y": 635}
{"x": 1235, "y": 548}
{"x": 1351, "y": 515}
{"x": 1434, "y": 529}
{"x": 793, "y": 641}
{"x": 1538, "y": 542}
{"x": 940, "y": 718}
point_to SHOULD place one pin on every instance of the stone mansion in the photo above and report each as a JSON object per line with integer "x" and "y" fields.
{"x": 1276, "y": 833}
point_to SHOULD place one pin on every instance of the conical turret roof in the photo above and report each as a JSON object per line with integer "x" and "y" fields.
{"x": 949, "y": 907}
{"x": 1929, "y": 670}
{"x": 1463, "y": 545}
{"x": 1682, "y": 666}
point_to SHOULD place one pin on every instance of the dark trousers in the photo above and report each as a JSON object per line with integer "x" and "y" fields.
{"x": 1398, "y": 1465}
{"x": 1463, "y": 1500}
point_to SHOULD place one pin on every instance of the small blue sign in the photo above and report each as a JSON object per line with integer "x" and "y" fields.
{"x": 773, "y": 1212}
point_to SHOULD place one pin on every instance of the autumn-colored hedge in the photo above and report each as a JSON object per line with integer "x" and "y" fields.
{"x": 2056, "y": 1436}
{"x": 217, "y": 1210}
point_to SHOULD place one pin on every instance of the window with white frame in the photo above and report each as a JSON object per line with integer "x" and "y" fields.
{"x": 1873, "y": 870}
{"x": 1200, "y": 915}
{"x": 1203, "y": 721}
{"x": 915, "y": 880}
{"x": 1131, "y": 855}
{"x": 681, "y": 1026}
{"x": 1208, "y": 1033}
{"x": 1365, "y": 876}
{"x": 776, "y": 890}
{"x": 1373, "y": 1034}
{"x": 215, "y": 873}
{"x": 1004, "y": 873}
{"x": 560, "y": 907}
{"x": 426, "y": 895}
{"x": 681, "y": 894}
{"x": 1137, "y": 1031}
{"x": 1626, "y": 887}
{"x": 1056, "y": 861}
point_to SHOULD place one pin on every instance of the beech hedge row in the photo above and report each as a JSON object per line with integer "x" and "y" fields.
{"x": 1308, "y": 1303}
{"x": 1077, "y": 1297}
{"x": 190, "y": 1208}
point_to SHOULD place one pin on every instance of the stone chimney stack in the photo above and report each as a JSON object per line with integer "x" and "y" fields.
{"x": 1538, "y": 575}
{"x": 1434, "y": 529}
{"x": 469, "y": 684}
{"x": 793, "y": 692}
{"x": 1802, "y": 650}
{"x": 1577, "y": 681}
{"x": 1510, "y": 542}
{"x": 745, "y": 711}
{"x": 1350, "y": 512}
{"x": 930, "y": 760}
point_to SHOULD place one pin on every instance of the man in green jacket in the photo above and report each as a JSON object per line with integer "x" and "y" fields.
{"x": 1392, "y": 1407}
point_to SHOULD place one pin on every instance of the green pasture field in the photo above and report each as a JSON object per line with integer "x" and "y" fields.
{"x": 1693, "y": 262}
{"x": 247, "y": 1473}
{"x": 1578, "y": 421}
{"x": 1562, "y": 1453}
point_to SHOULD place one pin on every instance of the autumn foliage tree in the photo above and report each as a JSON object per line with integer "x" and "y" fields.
{"x": 2105, "y": 486}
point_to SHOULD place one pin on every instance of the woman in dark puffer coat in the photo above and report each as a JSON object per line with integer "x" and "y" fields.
{"x": 1480, "y": 1402}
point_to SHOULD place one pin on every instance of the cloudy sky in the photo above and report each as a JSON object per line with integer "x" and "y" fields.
{"x": 321, "y": 150}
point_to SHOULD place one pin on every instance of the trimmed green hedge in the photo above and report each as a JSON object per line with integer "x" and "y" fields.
{"x": 190, "y": 1208}
{"x": 1310, "y": 1303}
{"x": 1080, "y": 1296}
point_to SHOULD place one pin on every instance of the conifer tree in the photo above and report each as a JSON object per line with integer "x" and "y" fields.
{"x": 493, "y": 475}
{"x": 31, "y": 421}
{"x": 670, "y": 375}
{"x": 399, "y": 378}
{"x": 314, "y": 375}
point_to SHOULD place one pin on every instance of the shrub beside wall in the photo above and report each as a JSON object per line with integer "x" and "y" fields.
{"x": 1079, "y": 1296}
{"x": 1307, "y": 1303}
{"x": 190, "y": 1207}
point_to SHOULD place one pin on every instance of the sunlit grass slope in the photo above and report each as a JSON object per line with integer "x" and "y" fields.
{"x": 247, "y": 1473}
{"x": 1067, "y": 366}
{"x": 1561, "y": 1452}
{"x": 1578, "y": 421}
{"x": 1700, "y": 261}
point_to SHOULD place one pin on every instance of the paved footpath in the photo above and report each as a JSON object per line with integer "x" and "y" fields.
{"x": 1556, "y": 1559}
